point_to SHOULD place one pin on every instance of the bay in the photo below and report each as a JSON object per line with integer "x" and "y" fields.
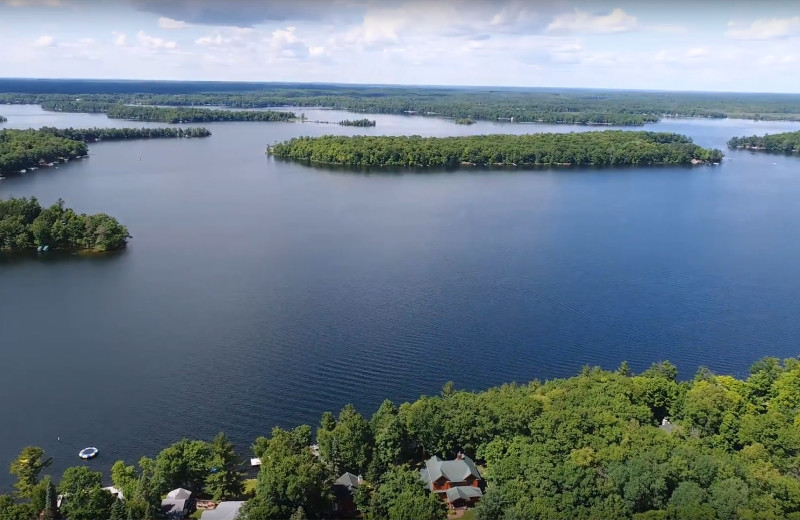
{"x": 257, "y": 292}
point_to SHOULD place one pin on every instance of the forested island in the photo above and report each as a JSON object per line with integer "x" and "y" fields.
{"x": 465, "y": 121}
{"x": 358, "y": 122}
{"x": 193, "y": 115}
{"x": 569, "y": 106}
{"x": 787, "y": 142}
{"x": 611, "y": 147}
{"x": 605, "y": 445}
{"x": 23, "y": 149}
{"x": 25, "y": 225}
{"x": 3, "y": 119}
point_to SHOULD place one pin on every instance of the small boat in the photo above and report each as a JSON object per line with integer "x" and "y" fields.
{"x": 88, "y": 453}
{"x": 46, "y": 248}
{"x": 39, "y": 249}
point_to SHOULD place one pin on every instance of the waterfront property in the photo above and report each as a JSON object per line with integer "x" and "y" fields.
{"x": 178, "y": 504}
{"x": 457, "y": 481}
{"x": 344, "y": 489}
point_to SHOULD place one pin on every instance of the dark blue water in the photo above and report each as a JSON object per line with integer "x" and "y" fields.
{"x": 258, "y": 293}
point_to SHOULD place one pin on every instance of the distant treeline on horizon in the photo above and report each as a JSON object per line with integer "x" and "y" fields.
{"x": 567, "y": 106}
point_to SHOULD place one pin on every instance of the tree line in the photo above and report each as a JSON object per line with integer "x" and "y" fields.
{"x": 193, "y": 115}
{"x": 122, "y": 134}
{"x": 787, "y": 142}
{"x": 358, "y": 122}
{"x": 24, "y": 225}
{"x": 594, "y": 446}
{"x": 611, "y": 147}
{"x": 546, "y": 105}
{"x": 21, "y": 149}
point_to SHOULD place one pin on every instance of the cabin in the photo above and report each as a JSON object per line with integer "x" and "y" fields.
{"x": 344, "y": 489}
{"x": 458, "y": 481}
{"x": 178, "y": 505}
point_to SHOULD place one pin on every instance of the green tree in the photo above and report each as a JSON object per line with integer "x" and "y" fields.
{"x": 225, "y": 479}
{"x": 183, "y": 464}
{"x": 27, "y": 467}
{"x": 84, "y": 499}
{"x": 124, "y": 478}
{"x": 118, "y": 510}
{"x": 50, "y": 511}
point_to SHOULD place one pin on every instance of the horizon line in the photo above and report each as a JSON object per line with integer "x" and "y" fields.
{"x": 394, "y": 85}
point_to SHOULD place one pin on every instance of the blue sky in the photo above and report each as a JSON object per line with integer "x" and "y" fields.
{"x": 677, "y": 45}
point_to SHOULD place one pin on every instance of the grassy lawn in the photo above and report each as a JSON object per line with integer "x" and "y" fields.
{"x": 250, "y": 486}
{"x": 469, "y": 514}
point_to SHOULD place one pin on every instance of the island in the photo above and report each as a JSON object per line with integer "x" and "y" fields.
{"x": 25, "y": 149}
{"x": 358, "y": 122}
{"x": 193, "y": 115}
{"x": 606, "y": 148}
{"x": 25, "y": 225}
{"x": 787, "y": 142}
{"x": 559, "y": 106}
{"x": 603, "y": 444}
{"x": 3, "y": 119}
{"x": 465, "y": 121}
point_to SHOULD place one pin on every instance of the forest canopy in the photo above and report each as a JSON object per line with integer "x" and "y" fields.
{"x": 22, "y": 149}
{"x": 787, "y": 142}
{"x": 193, "y": 115}
{"x": 24, "y": 224}
{"x": 602, "y": 445}
{"x": 611, "y": 147}
{"x": 571, "y": 106}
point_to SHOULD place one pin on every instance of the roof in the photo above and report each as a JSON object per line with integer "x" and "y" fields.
{"x": 223, "y": 511}
{"x": 174, "y": 507}
{"x": 348, "y": 480}
{"x": 255, "y": 461}
{"x": 452, "y": 470}
{"x": 114, "y": 491}
{"x": 463, "y": 492}
{"x": 180, "y": 493}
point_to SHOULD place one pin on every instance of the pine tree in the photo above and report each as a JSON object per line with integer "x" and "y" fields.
{"x": 225, "y": 479}
{"x": 118, "y": 510}
{"x": 50, "y": 502}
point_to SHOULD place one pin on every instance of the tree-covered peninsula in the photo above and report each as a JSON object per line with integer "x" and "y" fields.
{"x": 358, "y": 122}
{"x": 603, "y": 445}
{"x": 787, "y": 142}
{"x": 193, "y": 115}
{"x": 23, "y": 149}
{"x": 24, "y": 225}
{"x": 612, "y": 147}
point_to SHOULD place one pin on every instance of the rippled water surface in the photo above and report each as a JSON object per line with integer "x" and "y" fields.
{"x": 257, "y": 292}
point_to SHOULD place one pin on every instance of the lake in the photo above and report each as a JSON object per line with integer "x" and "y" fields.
{"x": 257, "y": 292}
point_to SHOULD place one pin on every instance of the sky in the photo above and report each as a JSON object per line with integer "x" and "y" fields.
{"x": 746, "y": 46}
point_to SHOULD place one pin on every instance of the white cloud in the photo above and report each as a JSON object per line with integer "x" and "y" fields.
{"x": 765, "y": 29}
{"x": 584, "y": 22}
{"x": 169, "y": 23}
{"x": 44, "y": 41}
{"x": 119, "y": 39}
{"x": 155, "y": 43}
